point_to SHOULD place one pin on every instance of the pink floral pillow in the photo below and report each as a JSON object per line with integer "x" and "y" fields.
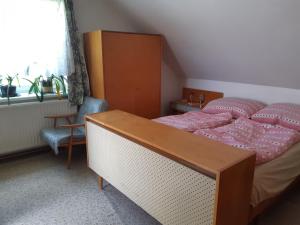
{"x": 284, "y": 114}
{"x": 236, "y": 106}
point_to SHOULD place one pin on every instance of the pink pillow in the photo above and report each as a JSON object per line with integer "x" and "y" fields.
{"x": 236, "y": 106}
{"x": 284, "y": 114}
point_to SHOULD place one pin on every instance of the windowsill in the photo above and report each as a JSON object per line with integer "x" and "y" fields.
{"x": 28, "y": 98}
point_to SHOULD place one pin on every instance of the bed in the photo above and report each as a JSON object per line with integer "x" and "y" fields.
{"x": 277, "y": 153}
{"x": 273, "y": 172}
{"x": 158, "y": 168}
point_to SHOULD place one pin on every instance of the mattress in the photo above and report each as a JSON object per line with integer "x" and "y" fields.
{"x": 273, "y": 177}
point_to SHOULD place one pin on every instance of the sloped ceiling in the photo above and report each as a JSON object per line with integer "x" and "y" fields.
{"x": 248, "y": 41}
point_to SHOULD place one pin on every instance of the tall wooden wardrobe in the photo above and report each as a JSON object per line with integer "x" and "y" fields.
{"x": 125, "y": 69}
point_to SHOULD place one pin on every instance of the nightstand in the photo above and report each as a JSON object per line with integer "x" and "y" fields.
{"x": 191, "y": 100}
{"x": 183, "y": 106}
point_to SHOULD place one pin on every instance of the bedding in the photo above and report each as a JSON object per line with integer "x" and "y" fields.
{"x": 267, "y": 141}
{"x": 284, "y": 114}
{"x": 236, "y": 106}
{"x": 192, "y": 121}
{"x": 271, "y": 178}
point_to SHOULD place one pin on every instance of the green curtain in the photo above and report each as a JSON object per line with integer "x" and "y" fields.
{"x": 78, "y": 82}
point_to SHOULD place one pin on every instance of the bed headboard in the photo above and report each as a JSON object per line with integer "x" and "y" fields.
{"x": 262, "y": 93}
{"x": 195, "y": 95}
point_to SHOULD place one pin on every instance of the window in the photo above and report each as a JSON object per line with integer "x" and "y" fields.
{"x": 34, "y": 40}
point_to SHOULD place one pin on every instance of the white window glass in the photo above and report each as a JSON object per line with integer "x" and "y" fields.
{"x": 34, "y": 40}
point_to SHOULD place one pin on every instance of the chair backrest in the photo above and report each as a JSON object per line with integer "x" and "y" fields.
{"x": 90, "y": 105}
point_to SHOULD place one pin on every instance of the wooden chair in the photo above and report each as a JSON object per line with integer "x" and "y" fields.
{"x": 72, "y": 133}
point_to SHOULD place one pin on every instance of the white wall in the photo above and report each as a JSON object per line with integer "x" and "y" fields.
{"x": 267, "y": 94}
{"x": 248, "y": 41}
{"x": 104, "y": 14}
{"x": 100, "y": 14}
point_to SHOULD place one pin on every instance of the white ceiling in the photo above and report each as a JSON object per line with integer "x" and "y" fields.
{"x": 249, "y": 41}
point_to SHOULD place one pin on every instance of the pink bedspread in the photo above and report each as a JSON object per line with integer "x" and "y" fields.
{"x": 267, "y": 141}
{"x": 192, "y": 121}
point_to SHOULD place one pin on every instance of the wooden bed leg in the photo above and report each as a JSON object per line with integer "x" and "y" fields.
{"x": 100, "y": 183}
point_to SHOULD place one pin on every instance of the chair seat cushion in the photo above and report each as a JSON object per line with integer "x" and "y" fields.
{"x": 56, "y": 137}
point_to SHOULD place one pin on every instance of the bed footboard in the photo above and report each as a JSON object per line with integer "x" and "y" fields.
{"x": 170, "y": 187}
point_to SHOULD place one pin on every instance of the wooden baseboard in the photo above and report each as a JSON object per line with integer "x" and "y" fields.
{"x": 24, "y": 153}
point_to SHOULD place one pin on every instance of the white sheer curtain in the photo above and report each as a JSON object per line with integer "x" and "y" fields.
{"x": 34, "y": 38}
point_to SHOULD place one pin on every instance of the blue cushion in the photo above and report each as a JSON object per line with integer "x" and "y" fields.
{"x": 56, "y": 137}
{"x": 90, "y": 105}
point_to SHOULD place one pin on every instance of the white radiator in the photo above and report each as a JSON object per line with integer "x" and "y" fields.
{"x": 20, "y": 124}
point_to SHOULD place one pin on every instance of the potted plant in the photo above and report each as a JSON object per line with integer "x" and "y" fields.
{"x": 40, "y": 86}
{"x": 9, "y": 90}
{"x": 47, "y": 86}
{"x": 36, "y": 88}
{"x": 59, "y": 82}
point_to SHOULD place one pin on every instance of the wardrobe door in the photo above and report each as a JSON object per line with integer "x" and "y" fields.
{"x": 132, "y": 72}
{"x": 93, "y": 56}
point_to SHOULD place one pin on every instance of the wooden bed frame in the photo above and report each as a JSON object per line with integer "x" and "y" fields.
{"x": 195, "y": 94}
{"x": 123, "y": 147}
{"x": 127, "y": 144}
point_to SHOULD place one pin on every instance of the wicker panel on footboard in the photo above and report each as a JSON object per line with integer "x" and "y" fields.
{"x": 170, "y": 188}
{"x": 170, "y": 192}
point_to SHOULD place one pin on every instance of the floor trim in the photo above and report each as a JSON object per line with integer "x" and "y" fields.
{"x": 23, "y": 154}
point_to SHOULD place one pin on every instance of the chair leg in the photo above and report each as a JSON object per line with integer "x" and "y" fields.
{"x": 100, "y": 183}
{"x": 69, "y": 156}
